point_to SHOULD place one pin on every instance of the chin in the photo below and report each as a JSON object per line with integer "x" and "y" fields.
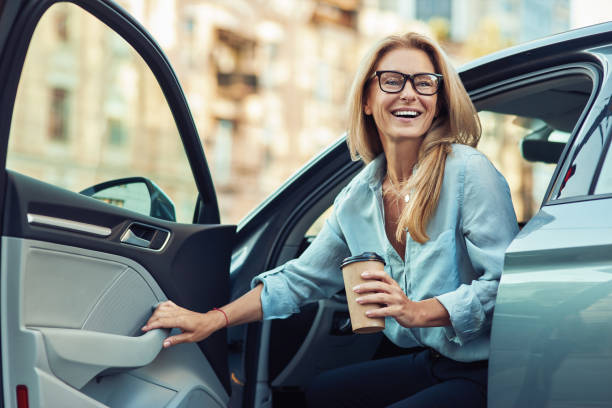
{"x": 409, "y": 136}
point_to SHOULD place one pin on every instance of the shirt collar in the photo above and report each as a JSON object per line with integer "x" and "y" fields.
{"x": 375, "y": 171}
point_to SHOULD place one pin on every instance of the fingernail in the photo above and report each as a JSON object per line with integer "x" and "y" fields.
{"x": 359, "y": 300}
{"x": 364, "y": 274}
{"x": 167, "y": 343}
{"x": 356, "y": 288}
{"x": 368, "y": 313}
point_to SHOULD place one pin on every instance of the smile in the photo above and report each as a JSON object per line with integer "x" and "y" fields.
{"x": 406, "y": 114}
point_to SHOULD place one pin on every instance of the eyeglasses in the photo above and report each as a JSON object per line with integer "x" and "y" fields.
{"x": 423, "y": 83}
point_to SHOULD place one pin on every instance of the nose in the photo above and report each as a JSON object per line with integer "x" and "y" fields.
{"x": 408, "y": 92}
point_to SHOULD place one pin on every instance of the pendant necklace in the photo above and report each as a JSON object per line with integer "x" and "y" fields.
{"x": 397, "y": 190}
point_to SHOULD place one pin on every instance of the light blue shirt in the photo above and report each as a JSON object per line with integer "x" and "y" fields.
{"x": 460, "y": 265}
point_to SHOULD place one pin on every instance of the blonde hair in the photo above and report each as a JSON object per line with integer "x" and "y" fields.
{"x": 456, "y": 122}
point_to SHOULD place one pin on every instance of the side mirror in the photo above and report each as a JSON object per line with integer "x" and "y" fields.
{"x": 541, "y": 146}
{"x": 137, "y": 194}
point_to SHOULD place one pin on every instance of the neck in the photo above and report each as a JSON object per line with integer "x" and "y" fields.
{"x": 401, "y": 158}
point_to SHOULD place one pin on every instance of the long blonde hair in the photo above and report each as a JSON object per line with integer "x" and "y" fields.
{"x": 456, "y": 122}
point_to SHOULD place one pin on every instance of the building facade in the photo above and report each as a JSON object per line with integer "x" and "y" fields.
{"x": 266, "y": 83}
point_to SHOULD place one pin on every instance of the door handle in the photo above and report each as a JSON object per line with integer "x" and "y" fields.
{"x": 77, "y": 356}
{"x": 145, "y": 236}
{"x": 129, "y": 237}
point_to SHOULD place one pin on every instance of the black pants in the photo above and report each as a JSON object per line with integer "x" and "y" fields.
{"x": 420, "y": 379}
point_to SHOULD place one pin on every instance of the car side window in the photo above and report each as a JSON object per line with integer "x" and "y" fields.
{"x": 604, "y": 182}
{"x": 575, "y": 179}
{"x": 530, "y": 124}
{"x": 89, "y": 110}
{"x": 317, "y": 226}
{"x": 501, "y": 139}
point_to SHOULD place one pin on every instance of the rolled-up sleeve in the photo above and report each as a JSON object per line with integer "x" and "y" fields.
{"x": 488, "y": 225}
{"x": 314, "y": 275}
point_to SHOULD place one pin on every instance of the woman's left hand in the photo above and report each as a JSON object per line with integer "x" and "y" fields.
{"x": 384, "y": 290}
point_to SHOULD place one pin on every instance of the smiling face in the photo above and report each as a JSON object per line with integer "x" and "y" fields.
{"x": 406, "y": 114}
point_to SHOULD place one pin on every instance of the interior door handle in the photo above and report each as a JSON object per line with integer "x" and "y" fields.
{"x": 129, "y": 237}
{"x": 145, "y": 236}
{"x": 77, "y": 356}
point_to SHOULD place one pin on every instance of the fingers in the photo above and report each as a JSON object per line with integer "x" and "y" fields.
{"x": 160, "y": 317}
{"x": 178, "y": 339}
{"x": 160, "y": 323}
{"x": 392, "y": 311}
{"x": 377, "y": 298}
{"x": 374, "y": 286}
{"x": 379, "y": 275}
{"x": 388, "y": 296}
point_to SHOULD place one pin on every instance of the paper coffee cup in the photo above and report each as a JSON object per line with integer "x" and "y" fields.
{"x": 352, "y": 268}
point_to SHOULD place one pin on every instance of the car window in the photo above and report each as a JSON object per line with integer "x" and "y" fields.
{"x": 89, "y": 110}
{"x": 604, "y": 182}
{"x": 527, "y": 126}
{"x": 501, "y": 143}
{"x": 316, "y": 226}
{"x": 575, "y": 178}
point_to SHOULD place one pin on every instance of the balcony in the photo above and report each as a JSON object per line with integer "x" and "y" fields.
{"x": 236, "y": 85}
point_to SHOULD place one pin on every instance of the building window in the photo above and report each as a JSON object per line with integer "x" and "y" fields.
{"x": 61, "y": 26}
{"x": 58, "y": 121}
{"x": 388, "y": 5}
{"x": 233, "y": 57}
{"x": 117, "y": 133}
{"x": 427, "y": 9}
{"x": 189, "y": 23}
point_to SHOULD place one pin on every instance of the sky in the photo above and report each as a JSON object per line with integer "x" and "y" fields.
{"x": 589, "y": 12}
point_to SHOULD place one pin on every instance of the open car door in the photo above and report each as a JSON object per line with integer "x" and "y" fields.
{"x": 87, "y": 96}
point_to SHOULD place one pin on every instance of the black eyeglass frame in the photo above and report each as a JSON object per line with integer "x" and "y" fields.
{"x": 410, "y": 77}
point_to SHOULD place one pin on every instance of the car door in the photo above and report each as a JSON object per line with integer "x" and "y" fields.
{"x": 79, "y": 275}
{"x": 550, "y": 341}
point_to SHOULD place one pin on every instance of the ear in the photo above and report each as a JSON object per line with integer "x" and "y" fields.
{"x": 367, "y": 108}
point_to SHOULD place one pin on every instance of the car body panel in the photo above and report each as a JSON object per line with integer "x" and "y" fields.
{"x": 552, "y": 325}
{"x": 550, "y": 343}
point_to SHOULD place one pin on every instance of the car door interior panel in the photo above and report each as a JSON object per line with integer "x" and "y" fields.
{"x": 83, "y": 294}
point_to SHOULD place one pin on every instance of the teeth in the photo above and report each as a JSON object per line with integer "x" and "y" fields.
{"x": 409, "y": 114}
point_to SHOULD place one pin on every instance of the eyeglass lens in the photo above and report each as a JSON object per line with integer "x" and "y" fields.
{"x": 425, "y": 84}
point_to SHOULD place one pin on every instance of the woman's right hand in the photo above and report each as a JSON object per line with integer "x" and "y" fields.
{"x": 194, "y": 326}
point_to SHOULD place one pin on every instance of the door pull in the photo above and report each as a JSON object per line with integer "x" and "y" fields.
{"x": 130, "y": 238}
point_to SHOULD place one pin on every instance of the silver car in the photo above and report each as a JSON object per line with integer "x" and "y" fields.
{"x": 79, "y": 275}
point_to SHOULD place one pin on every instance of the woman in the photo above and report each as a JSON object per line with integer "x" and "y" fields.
{"x": 432, "y": 206}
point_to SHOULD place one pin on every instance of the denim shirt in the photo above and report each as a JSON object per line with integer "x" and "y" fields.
{"x": 460, "y": 264}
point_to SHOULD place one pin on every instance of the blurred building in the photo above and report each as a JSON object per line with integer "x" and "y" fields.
{"x": 526, "y": 20}
{"x": 266, "y": 83}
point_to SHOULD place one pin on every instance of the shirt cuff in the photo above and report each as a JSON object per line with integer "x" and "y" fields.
{"x": 275, "y": 301}
{"x": 466, "y": 314}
